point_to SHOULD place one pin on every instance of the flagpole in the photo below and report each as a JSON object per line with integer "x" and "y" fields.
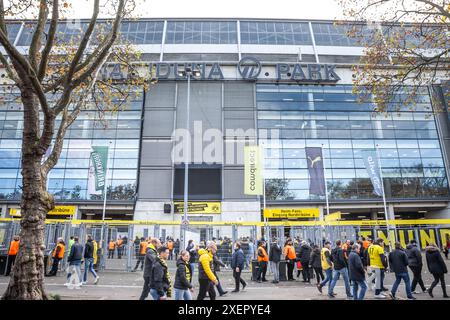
{"x": 384, "y": 195}
{"x": 104, "y": 198}
{"x": 326, "y": 184}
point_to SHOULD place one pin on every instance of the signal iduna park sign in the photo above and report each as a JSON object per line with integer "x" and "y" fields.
{"x": 248, "y": 68}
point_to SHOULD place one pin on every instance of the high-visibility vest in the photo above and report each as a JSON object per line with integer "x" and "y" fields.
{"x": 13, "y": 248}
{"x": 111, "y": 245}
{"x": 61, "y": 251}
{"x": 289, "y": 252}
{"x": 366, "y": 244}
{"x": 143, "y": 247}
{"x": 119, "y": 242}
{"x": 170, "y": 245}
{"x": 265, "y": 257}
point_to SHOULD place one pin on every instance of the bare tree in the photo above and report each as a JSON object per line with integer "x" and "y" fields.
{"x": 55, "y": 78}
{"x": 406, "y": 49}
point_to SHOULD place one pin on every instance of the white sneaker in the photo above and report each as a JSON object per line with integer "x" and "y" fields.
{"x": 380, "y": 296}
{"x": 67, "y": 284}
{"x": 416, "y": 292}
{"x": 83, "y": 283}
{"x": 96, "y": 280}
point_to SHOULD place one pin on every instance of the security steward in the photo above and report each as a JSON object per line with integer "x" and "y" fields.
{"x": 111, "y": 248}
{"x": 58, "y": 254}
{"x": 119, "y": 245}
{"x": 263, "y": 259}
{"x": 141, "y": 255}
{"x": 12, "y": 253}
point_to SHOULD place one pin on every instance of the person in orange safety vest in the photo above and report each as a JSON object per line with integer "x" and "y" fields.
{"x": 58, "y": 254}
{"x": 12, "y": 253}
{"x": 141, "y": 255}
{"x": 263, "y": 259}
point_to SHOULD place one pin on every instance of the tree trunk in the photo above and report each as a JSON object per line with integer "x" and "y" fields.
{"x": 27, "y": 277}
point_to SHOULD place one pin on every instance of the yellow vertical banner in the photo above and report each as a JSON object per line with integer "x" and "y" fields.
{"x": 253, "y": 162}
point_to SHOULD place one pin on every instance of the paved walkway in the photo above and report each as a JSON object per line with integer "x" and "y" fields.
{"x": 118, "y": 285}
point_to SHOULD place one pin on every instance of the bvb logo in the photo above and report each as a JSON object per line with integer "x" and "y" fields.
{"x": 249, "y": 68}
{"x": 215, "y": 208}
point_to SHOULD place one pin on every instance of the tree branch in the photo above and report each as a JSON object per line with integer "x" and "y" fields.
{"x": 37, "y": 35}
{"x": 50, "y": 41}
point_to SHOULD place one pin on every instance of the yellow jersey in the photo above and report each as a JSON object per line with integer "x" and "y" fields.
{"x": 375, "y": 252}
{"x": 323, "y": 259}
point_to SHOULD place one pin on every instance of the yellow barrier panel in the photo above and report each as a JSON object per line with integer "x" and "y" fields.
{"x": 250, "y": 223}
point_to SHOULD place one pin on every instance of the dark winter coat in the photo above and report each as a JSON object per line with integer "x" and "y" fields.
{"x": 337, "y": 256}
{"x": 149, "y": 259}
{"x": 238, "y": 259}
{"x": 304, "y": 253}
{"x": 435, "y": 262}
{"x": 356, "y": 268}
{"x": 275, "y": 253}
{"x": 158, "y": 278}
{"x": 314, "y": 260}
{"x": 398, "y": 261}
{"x": 191, "y": 249}
{"x": 217, "y": 263}
{"x": 89, "y": 250}
{"x": 414, "y": 256}
{"x": 181, "y": 281}
{"x": 76, "y": 253}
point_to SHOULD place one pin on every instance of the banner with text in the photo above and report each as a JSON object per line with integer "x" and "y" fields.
{"x": 199, "y": 207}
{"x": 291, "y": 213}
{"x": 253, "y": 166}
{"x": 57, "y": 211}
{"x": 97, "y": 170}
{"x": 371, "y": 162}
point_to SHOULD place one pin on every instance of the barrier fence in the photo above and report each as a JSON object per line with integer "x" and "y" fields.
{"x": 127, "y": 257}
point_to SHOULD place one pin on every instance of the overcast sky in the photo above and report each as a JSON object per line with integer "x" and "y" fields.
{"x": 290, "y": 9}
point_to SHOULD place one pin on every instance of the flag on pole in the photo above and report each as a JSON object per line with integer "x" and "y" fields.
{"x": 314, "y": 158}
{"x": 97, "y": 170}
{"x": 370, "y": 158}
{"x": 253, "y": 166}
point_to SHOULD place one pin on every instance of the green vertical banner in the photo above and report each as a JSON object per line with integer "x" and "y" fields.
{"x": 97, "y": 170}
{"x": 253, "y": 167}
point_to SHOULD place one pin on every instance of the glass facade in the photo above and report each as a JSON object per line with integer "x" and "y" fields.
{"x": 332, "y": 118}
{"x": 275, "y": 33}
{"x": 225, "y": 32}
{"x": 201, "y": 32}
{"x": 69, "y": 178}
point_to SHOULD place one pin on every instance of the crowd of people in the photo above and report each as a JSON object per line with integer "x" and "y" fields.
{"x": 361, "y": 264}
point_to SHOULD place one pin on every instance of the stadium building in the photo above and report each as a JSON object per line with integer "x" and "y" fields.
{"x": 284, "y": 84}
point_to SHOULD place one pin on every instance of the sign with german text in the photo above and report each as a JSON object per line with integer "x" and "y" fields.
{"x": 291, "y": 213}
{"x": 198, "y": 207}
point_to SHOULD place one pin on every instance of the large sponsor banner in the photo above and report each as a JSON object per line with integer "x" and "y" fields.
{"x": 423, "y": 236}
{"x": 370, "y": 158}
{"x": 291, "y": 213}
{"x": 253, "y": 166}
{"x": 97, "y": 170}
{"x": 314, "y": 158}
{"x": 57, "y": 211}
{"x": 199, "y": 207}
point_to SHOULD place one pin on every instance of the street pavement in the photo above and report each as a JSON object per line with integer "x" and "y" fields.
{"x": 121, "y": 285}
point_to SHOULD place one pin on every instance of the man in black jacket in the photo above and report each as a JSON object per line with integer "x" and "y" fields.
{"x": 304, "y": 255}
{"x": 340, "y": 267}
{"x": 398, "y": 261}
{"x": 237, "y": 264}
{"x": 274, "y": 260}
{"x": 357, "y": 272}
{"x": 160, "y": 278}
{"x": 415, "y": 263}
{"x": 149, "y": 259}
{"x": 89, "y": 260}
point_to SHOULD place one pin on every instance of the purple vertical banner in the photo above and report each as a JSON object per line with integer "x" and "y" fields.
{"x": 314, "y": 158}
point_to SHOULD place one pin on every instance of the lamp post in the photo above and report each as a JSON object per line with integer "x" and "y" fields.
{"x": 187, "y": 72}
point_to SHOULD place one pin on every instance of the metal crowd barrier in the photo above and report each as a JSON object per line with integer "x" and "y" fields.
{"x": 425, "y": 231}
